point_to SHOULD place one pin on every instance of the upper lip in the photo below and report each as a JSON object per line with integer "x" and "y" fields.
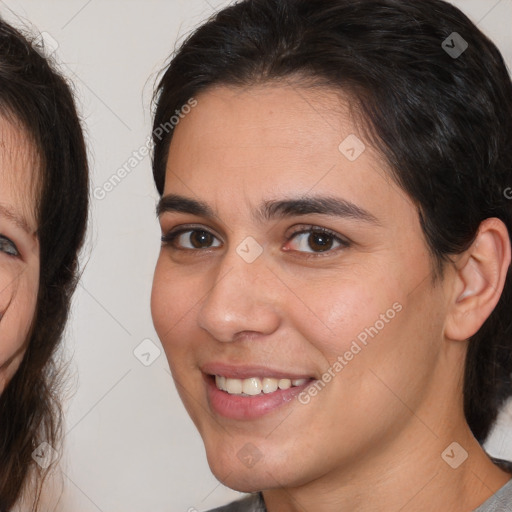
{"x": 246, "y": 371}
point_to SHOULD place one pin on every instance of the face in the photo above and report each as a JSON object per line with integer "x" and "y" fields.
{"x": 19, "y": 248}
{"x": 293, "y": 292}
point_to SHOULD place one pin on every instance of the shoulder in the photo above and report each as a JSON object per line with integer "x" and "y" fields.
{"x": 252, "y": 503}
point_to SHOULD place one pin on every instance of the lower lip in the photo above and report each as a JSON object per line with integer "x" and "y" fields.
{"x": 248, "y": 407}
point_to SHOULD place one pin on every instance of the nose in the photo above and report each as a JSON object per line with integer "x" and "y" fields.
{"x": 243, "y": 300}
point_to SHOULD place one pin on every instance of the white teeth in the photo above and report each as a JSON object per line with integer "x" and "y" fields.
{"x": 269, "y": 385}
{"x": 234, "y": 386}
{"x": 251, "y": 386}
{"x": 254, "y": 385}
{"x": 285, "y": 384}
{"x": 221, "y": 382}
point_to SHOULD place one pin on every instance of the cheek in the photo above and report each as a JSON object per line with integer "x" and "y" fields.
{"x": 378, "y": 341}
{"x": 334, "y": 312}
{"x": 18, "y": 299}
{"x": 172, "y": 302}
{"x": 10, "y": 274}
{"x": 368, "y": 332}
{"x": 379, "y": 303}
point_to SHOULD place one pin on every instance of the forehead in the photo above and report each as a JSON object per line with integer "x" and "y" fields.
{"x": 19, "y": 170}
{"x": 275, "y": 139}
{"x": 268, "y": 128}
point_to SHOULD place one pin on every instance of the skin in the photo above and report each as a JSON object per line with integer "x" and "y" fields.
{"x": 372, "y": 438}
{"x": 19, "y": 248}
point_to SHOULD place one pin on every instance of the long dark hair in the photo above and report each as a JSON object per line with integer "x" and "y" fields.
{"x": 442, "y": 120}
{"x": 39, "y": 100}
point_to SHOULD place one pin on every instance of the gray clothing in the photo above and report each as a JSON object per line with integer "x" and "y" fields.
{"x": 499, "y": 502}
{"x": 252, "y": 503}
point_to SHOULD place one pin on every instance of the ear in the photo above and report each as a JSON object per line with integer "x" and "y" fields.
{"x": 479, "y": 280}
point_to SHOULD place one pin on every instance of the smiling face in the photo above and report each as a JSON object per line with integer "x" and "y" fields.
{"x": 19, "y": 248}
{"x": 293, "y": 293}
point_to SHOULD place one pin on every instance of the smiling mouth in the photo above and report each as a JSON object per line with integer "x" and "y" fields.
{"x": 254, "y": 386}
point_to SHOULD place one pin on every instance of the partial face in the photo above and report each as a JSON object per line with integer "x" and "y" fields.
{"x": 293, "y": 291}
{"x": 19, "y": 248}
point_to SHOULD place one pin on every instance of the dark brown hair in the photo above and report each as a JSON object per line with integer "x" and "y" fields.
{"x": 38, "y": 99}
{"x": 443, "y": 122}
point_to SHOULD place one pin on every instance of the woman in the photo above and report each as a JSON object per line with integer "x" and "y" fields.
{"x": 333, "y": 290}
{"x": 43, "y": 214}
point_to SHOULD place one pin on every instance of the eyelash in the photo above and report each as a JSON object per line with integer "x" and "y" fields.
{"x": 11, "y": 245}
{"x": 169, "y": 238}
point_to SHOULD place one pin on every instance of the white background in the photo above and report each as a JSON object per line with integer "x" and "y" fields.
{"x": 129, "y": 445}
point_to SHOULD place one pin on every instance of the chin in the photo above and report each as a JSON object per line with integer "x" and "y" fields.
{"x": 240, "y": 472}
{"x": 248, "y": 480}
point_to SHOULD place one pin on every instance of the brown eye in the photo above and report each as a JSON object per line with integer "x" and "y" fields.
{"x": 200, "y": 239}
{"x": 191, "y": 239}
{"x": 316, "y": 241}
{"x": 320, "y": 242}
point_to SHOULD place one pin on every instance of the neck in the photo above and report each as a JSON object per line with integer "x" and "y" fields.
{"x": 406, "y": 475}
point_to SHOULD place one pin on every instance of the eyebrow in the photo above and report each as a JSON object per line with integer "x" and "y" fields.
{"x": 272, "y": 209}
{"x": 15, "y": 218}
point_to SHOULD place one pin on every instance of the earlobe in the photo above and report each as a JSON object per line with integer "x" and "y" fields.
{"x": 480, "y": 277}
